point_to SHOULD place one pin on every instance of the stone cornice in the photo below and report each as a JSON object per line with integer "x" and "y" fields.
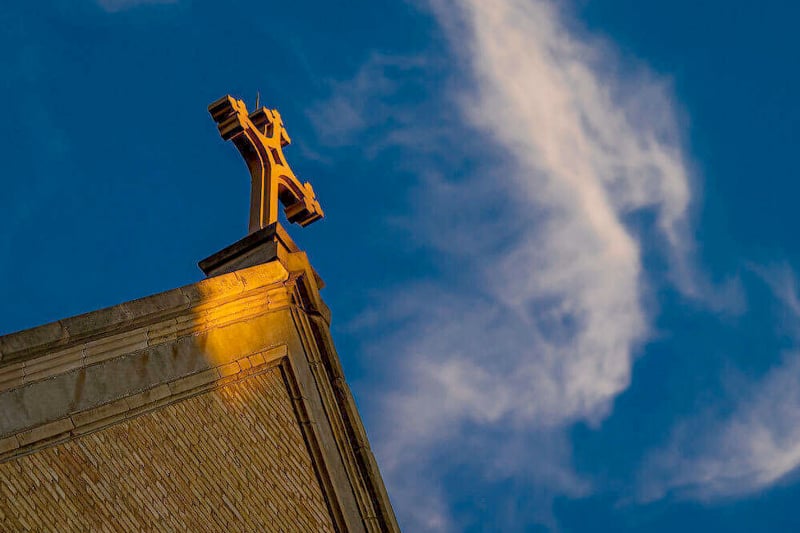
{"x": 144, "y": 317}
{"x": 94, "y": 419}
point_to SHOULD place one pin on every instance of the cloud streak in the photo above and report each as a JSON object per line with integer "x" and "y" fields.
{"x": 540, "y": 329}
{"x": 113, "y": 6}
{"x": 754, "y": 446}
{"x": 539, "y": 314}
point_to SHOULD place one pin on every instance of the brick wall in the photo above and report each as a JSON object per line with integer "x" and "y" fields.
{"x": 230, "y": 459}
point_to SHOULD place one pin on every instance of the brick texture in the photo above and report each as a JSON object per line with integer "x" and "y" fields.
{"x": 232, "y": 459}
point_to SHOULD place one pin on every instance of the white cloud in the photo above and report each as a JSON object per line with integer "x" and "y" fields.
{"x": 374, "y": 100}
{"x": 112, "y": 6}
{"x": 537, "y": 324}
{"x": 757, "y": 444}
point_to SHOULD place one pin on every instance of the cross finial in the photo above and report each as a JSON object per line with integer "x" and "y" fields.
{"x": 260, "y": 137}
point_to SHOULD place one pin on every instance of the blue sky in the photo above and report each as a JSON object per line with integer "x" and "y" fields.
{"x": 560, "y": 237}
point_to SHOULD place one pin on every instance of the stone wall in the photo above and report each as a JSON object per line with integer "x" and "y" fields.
{"x": 101, "y": 395}
{"x": 230, "y": 459}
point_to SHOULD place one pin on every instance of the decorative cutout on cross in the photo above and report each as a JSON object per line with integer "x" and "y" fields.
{"x": 260, "y": 137}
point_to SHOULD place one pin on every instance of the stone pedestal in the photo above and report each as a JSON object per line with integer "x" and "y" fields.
{"x": 262, "y": 246}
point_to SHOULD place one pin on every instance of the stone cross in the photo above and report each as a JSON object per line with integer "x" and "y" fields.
{"x": 260, "y": 138}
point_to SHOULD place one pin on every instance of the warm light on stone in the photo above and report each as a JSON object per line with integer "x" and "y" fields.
{"x": 218, "y": 406}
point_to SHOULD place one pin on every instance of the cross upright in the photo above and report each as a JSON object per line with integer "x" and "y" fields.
{"x": 260, "y": 137}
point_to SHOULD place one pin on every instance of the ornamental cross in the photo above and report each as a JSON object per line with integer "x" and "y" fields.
{"x": 260, "y": 138}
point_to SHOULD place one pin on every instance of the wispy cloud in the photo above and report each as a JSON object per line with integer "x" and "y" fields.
{"x": 548, "y": 334}
{"x": 537, "y": 320}
{"x": 377, "y": 108}
{"x": 112, "y": 6}
{"x": 751, "y": 446}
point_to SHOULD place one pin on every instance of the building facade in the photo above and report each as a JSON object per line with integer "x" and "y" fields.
{"x": 218, "y": 406}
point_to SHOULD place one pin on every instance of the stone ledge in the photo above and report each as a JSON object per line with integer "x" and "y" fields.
{"x": 97, "y": 418}
{"x": 62, "y": 334}
{"x": 92, "y": 385}
{"x": 258, "y": 299}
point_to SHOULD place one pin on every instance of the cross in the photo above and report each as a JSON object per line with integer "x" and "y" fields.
{"x": 260, "y": 137}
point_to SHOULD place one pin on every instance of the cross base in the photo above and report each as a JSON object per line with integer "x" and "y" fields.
{"x": 262, "y": 246}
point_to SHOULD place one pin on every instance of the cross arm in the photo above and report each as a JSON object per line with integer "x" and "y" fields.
{"x": 260, "y": 137}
